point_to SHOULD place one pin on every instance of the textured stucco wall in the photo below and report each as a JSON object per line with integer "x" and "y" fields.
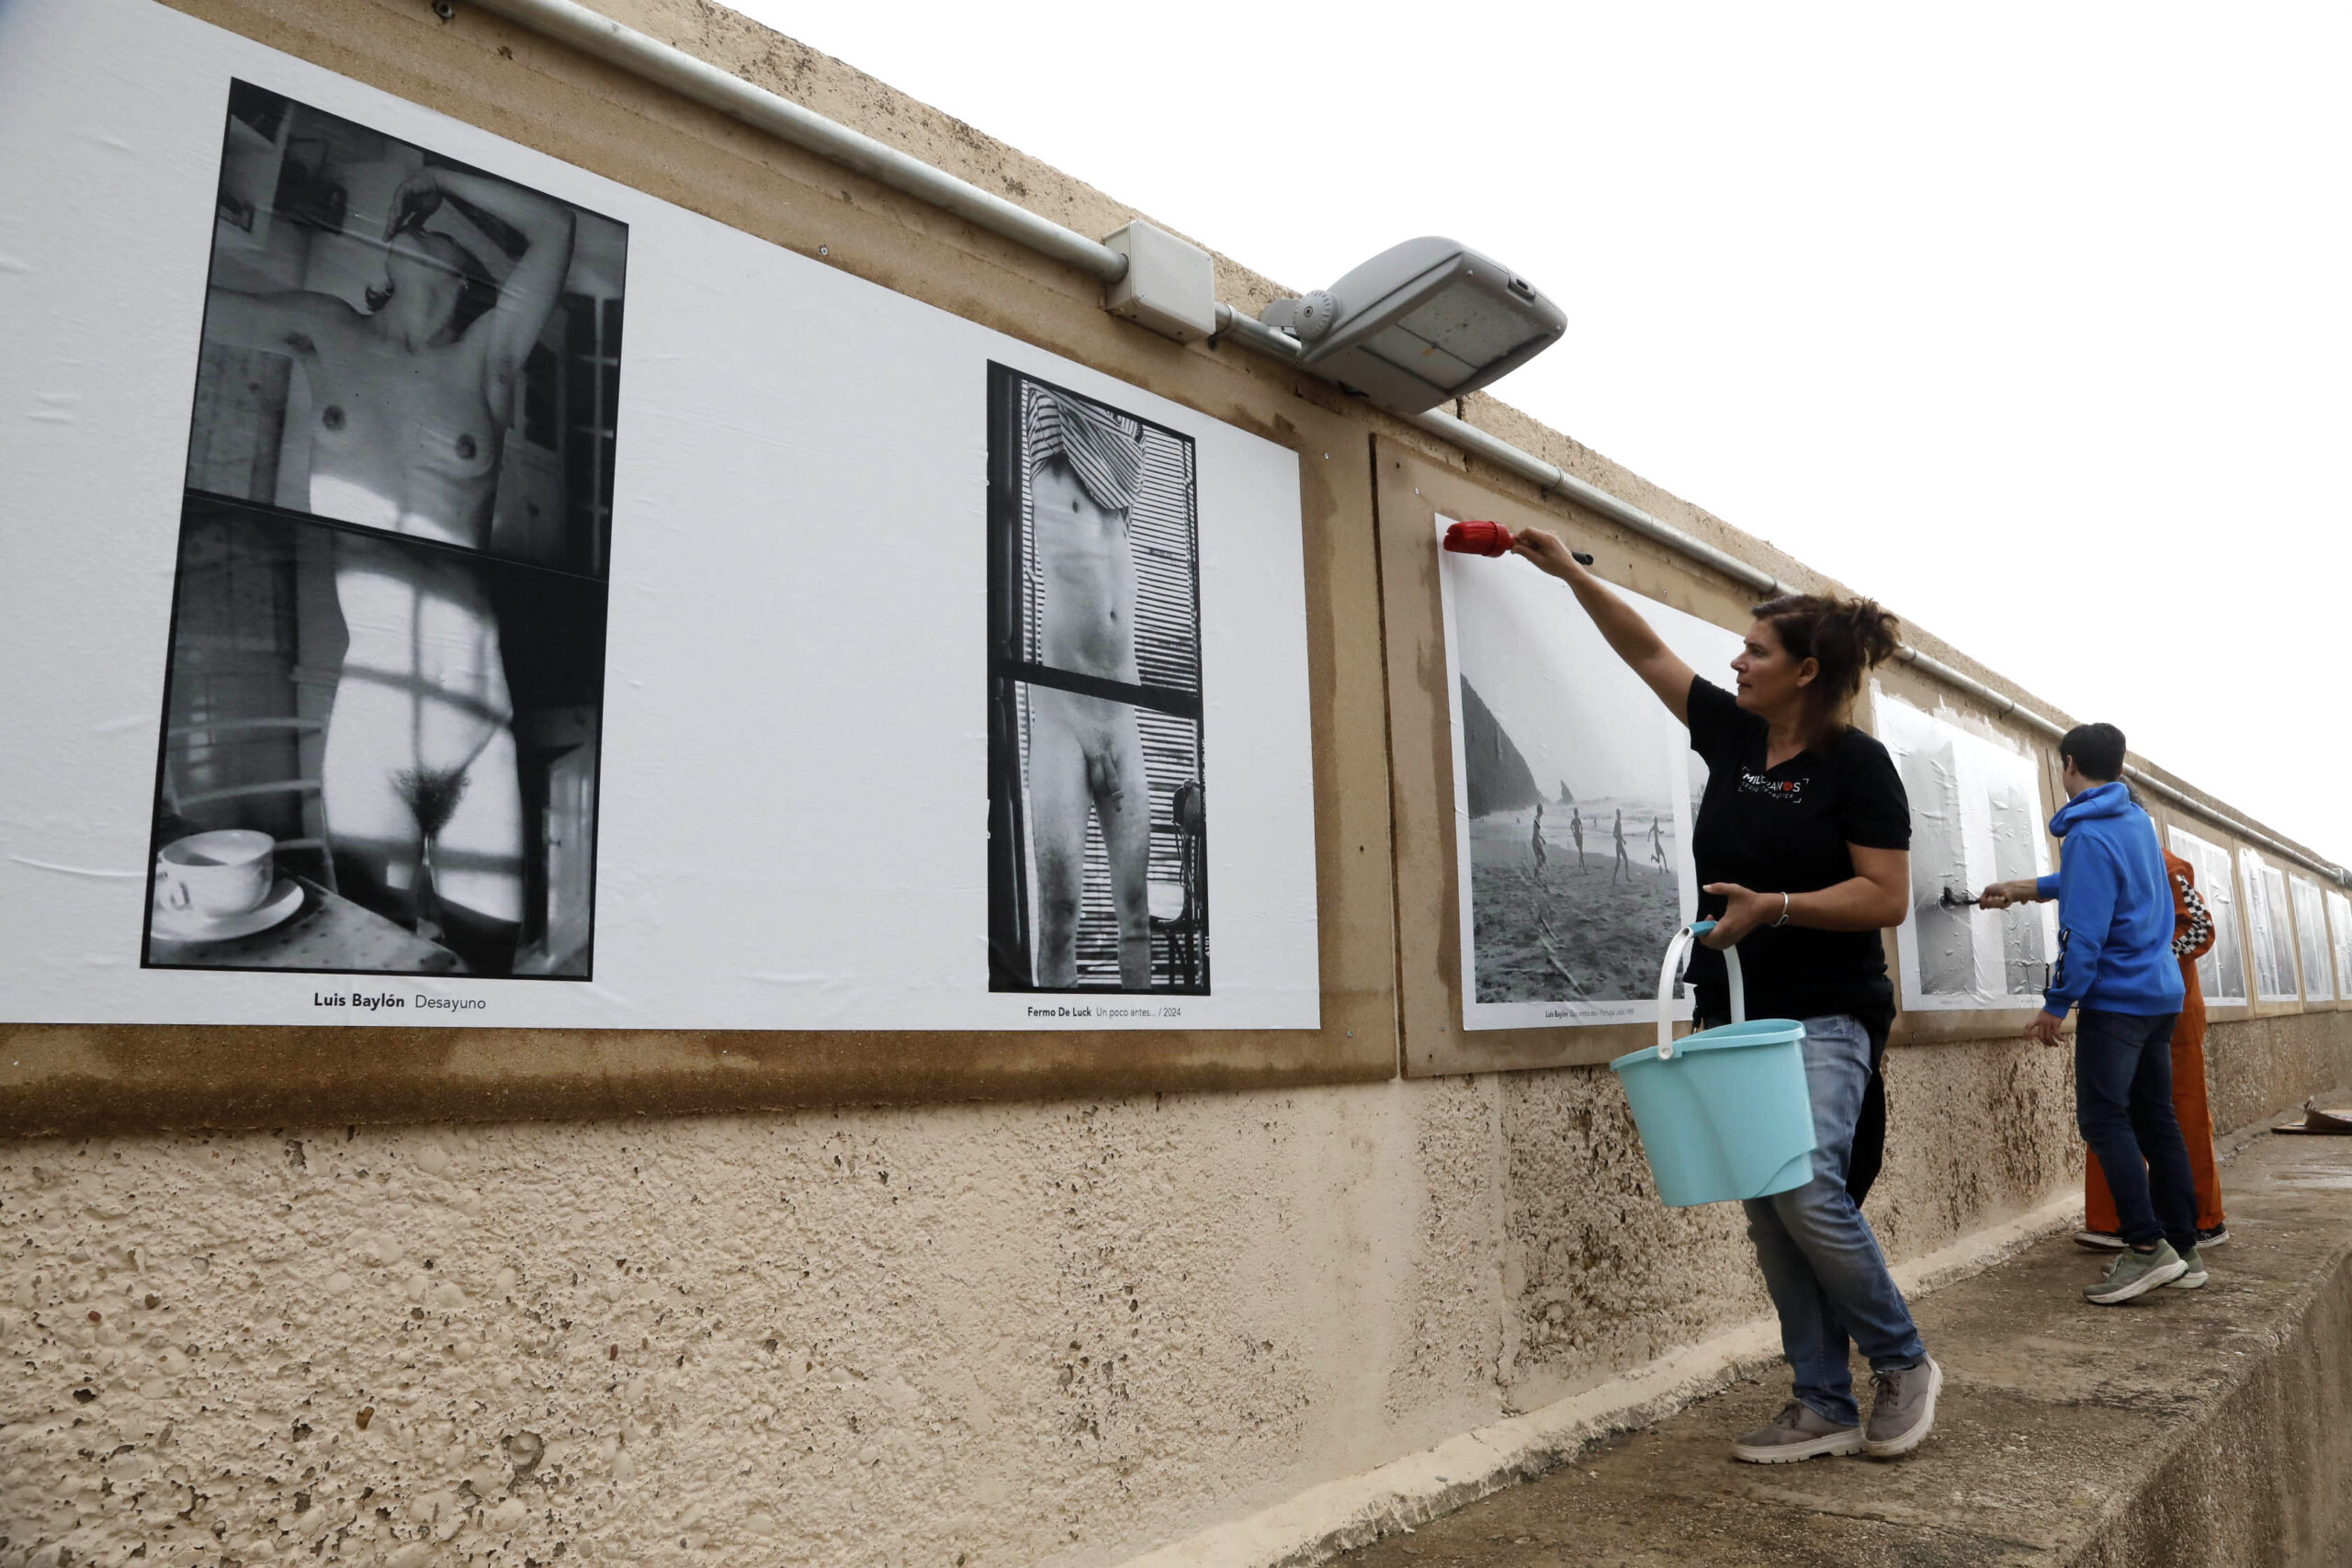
{"x": 1053, "y": 1334}
{"x": 2258, "y": 1066}
{"x": 1012, "y": 1335}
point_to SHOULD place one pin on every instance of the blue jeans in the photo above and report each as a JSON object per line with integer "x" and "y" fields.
{"x": 2124, "y": 1105}
{"x": 1821, "y": 1263}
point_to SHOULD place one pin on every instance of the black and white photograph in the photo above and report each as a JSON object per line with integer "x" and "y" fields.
{"x": 396, "y": 340}
{"x": 383, "y": 704}
{"x": 2311, "y": 940}
{"x": 2269, "y": 931}
{"x": 1575, "y": 789}
{"x": 1098, "y": 804}
{"x": 380, "y": 755}
{"x": 1976, "y": 818}
{"x": 2220, "y": 973}
{"x": 2339, "y": 927}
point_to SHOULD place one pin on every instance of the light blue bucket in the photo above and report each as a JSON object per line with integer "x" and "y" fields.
{"x": 1723, "y": 1113}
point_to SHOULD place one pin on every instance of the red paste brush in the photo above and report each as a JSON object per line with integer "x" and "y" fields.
{"x": 1480, "y": 538}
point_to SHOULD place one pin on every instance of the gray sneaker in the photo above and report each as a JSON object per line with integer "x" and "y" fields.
{"x": 2194, "y": 1277}
{"x": 1904, "y": 1410}
{"x": 1798, "y": 1432}
{"x": 2135, "y": 1274}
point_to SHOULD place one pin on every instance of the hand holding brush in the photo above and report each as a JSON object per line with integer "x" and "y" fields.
{"x": 1479, "y": 537}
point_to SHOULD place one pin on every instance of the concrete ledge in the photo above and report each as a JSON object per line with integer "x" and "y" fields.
{"x": 2191, "y": 1429}
{"x": 1398, "y": 1496}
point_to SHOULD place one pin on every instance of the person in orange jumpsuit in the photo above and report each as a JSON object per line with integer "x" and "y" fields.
{"x": 2193, "y": 935}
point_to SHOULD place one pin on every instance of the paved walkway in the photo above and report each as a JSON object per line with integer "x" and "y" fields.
{"x": 2193, "y": 1427}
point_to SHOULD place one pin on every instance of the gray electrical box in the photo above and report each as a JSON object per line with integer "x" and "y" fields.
{"x": 1170, "y": 286}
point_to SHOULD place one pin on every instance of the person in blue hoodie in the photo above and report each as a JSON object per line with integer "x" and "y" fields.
{"x": 2115, "y": 964}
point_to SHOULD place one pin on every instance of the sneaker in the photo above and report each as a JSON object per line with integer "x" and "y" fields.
{"x": 2218, "y": 1236}
{"x": 2099, "y": 1241}
{"x": 1799, "y": 1431}
{"x": 1903, "y": 1411}
{"x": 2135, "y": 1274}
{"x": 2194, "y": 1276}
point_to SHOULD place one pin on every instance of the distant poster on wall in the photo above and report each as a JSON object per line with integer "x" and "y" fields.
{"x": 2339, "y": 927}
{"x": 1574, "y": 794}
{"x": 441, "y": 585}
{"x": 1976, "y": 818}
{"x": 2220, "y": 973}
{"x": 2269, "y": 930}
{"x": 2311, "y": 940}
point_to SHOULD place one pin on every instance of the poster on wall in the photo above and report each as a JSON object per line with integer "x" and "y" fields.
{"x": 399, "y": 639}
{"x": 2220, "y": 973}
{"x": 2269, "y": 930}
{"x": 2311, "y": 940}
{"x": 1574, "y": 794}
{"x": 2339, "y": 926}
{"x": 386, "y": 663}
{"x": 1976, "y": 818}
{"x": 1098, "y": 798}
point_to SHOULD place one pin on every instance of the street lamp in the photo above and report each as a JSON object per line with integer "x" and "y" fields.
{"x": 1419, "y": 324}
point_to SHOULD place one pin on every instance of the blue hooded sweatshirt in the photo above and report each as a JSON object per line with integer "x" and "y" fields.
{"x": 2114, "y": 910}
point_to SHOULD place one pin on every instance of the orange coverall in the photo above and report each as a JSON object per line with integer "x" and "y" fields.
{"x": 2189, "y": 943}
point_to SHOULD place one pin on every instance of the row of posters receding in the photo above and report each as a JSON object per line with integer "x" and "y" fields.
{"x": 1575, "y": 791}
{"x": 527, "y": 580}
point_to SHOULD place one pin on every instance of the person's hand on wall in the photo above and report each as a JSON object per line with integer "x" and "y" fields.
{"x": 1743, "y": 910}
{"x": 2043, "y": 1029}
{"x": 1545, "y": 549}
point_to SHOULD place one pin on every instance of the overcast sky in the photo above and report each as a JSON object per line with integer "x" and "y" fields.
{"x": 2031, "y": 320}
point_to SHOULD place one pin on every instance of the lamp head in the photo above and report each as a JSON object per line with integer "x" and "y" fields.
{"x": 1419, "y": 324}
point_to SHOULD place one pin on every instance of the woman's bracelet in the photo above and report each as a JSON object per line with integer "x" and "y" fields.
{"x": 1784, "y": 913}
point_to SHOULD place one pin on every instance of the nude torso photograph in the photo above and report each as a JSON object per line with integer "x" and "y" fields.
{"x": 1086, "y": 751}
{"x": 1111, "y": 814}
{"x": 406, "y": 381}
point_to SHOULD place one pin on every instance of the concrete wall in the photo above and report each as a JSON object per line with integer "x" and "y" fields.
{"x": 1055, "y": 1332}
{"x": 1047, "y": 1334}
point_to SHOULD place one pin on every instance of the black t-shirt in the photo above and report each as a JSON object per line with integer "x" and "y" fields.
{"x": 1785, "y": 829}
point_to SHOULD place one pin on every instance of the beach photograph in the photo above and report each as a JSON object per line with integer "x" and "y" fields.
{"x": 1574, "y": 793}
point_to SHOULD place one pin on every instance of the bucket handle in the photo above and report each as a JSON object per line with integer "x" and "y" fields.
{"x": 1675, "y": 951}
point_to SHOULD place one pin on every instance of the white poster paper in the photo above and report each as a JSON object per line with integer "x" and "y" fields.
{"x": 2220, "y": 973}
{"x": 2339, "y": 925}
{"x": 465, "y": 659}
{"x": 2269, "y": 930}
{"x": 2311, "y": 940}
{"x": 1574, "y": 794}
{"x": 1976, "y": 818}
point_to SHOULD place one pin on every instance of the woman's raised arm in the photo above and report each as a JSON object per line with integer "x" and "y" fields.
{"x": 289, "y": 322}
{"x": 1621, "y": 625}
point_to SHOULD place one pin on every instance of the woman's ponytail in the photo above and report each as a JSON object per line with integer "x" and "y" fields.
{"x": 1847, "y": 637}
